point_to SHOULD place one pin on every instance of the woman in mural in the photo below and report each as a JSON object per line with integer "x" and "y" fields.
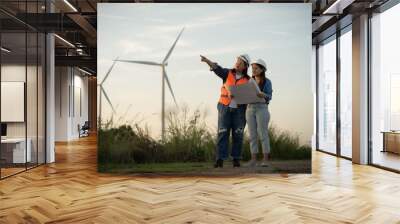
{"x": 257, "y": 114}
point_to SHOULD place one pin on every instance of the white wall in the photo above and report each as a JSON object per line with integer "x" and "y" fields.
{"x": 70, "y": 84}
{"x": 33, "y": 127}
{"x": 12, "y": 73}
{"x": 62, "y": 81}
{"x": 314, "y": 91}
{"x": 80, "y": 83}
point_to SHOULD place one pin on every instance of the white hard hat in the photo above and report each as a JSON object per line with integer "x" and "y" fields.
{"x": 245, "y": 58}
{"x": 260, "y": 62}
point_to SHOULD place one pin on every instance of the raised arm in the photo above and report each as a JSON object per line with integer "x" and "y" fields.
{"x": 212, "y": 65}
{"x": 218, "y": 70}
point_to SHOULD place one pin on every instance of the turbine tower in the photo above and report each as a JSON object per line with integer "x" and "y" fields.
{"x": 103, "y": 92}
{"x": 164, "y": 79}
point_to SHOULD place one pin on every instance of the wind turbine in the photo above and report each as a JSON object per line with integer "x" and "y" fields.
{"x": 103, "y": 92}
{"x": 164, "y": 76}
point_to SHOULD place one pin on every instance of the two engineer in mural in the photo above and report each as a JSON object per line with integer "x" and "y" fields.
{"x": 233, "y": 117}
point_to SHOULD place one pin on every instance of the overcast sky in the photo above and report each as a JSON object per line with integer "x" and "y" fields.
{"x": 278, "y": 33}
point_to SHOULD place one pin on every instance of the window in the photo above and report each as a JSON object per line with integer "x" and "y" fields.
{"x": 385, "y": 87}
{"x": 346, "y": 75}
{"x": 327, "y": 96}
{"x": 22, "y": 76}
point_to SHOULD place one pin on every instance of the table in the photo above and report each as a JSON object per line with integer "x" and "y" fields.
{"x": 17, "y": 152}
{"x": 391, "y": 141}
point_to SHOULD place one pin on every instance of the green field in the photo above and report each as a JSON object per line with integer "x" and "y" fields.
{"x": 189, "y": 146}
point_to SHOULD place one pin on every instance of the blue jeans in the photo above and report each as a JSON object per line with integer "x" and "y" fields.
{"x": 230, "y": 120}
{"x": 257, "y": 117}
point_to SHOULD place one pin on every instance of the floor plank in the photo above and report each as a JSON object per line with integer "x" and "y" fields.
{"x": 71, "y": 191}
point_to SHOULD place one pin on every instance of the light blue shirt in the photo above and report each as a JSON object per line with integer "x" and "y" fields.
{"x": 267, "y": 89}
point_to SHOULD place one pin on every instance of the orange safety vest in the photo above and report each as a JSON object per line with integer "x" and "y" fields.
{"x": 230, "y": 81}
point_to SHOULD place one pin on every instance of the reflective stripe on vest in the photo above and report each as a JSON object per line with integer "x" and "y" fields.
{"x": 230, "y": 81}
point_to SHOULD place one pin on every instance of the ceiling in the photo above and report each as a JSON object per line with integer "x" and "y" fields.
{"x": 76, "y": 22}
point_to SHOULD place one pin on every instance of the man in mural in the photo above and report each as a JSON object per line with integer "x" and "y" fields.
{"x": 231, "y": 116}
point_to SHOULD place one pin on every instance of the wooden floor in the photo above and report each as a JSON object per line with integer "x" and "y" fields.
{"x": 71, "y": 191}
{"x": 8, "y": 171}
{"x": 387, "y": 159}
{"x": 5, "y": 172}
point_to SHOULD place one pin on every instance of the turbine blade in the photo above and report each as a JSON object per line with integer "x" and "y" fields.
{"x": 141, "y": 62}
{"x": 108, "y": 99}
{"x": 109, "y": 71}
{"x": 173, "y": 46}
{"x": 169, "y": 86}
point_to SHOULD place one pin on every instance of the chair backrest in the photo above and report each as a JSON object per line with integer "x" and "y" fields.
{"x": 86, "y": 125}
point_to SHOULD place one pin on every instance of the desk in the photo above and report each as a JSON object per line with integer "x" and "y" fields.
{"x": 391, "y": 141}
{"x": 18, "y": 150}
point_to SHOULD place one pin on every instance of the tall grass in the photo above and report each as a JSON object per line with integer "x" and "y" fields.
{"x": 187, "y": 139}
{"x": 127, "y": 144}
